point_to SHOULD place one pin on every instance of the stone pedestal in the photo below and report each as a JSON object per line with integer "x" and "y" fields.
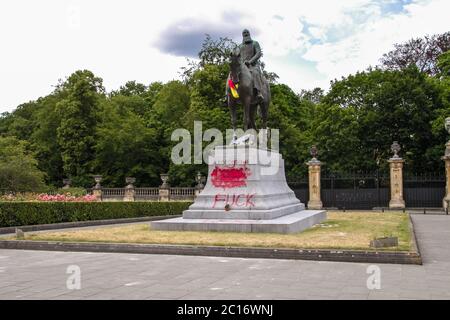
{"x": 97, "y": 192}
{"x": 246, "y": 191}
{"x": 315, "y": 201}
{"x": 446, "y": 199}
{"x": 396, "y": 175}
{"x": 164, "y": 194}
{"x": 164, "y": 189}
{"x": 129, "y": 194}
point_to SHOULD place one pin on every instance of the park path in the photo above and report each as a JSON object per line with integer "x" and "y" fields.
{"x": 42, "y": 275}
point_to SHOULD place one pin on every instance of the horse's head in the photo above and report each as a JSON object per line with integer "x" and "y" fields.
{"x": 235, "y": 65}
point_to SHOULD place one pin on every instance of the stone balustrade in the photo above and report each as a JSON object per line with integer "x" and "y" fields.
{"x": 131, "y": 193}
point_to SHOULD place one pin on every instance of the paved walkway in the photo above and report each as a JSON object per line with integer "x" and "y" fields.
{"x": 42, "y": 275}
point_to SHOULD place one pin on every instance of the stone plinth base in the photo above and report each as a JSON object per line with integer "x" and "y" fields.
{"x": 397, "y": 204}
{"x": 315, "y": 205}
{"x": 292, "y": 223}
{"x": 246, "y": 191}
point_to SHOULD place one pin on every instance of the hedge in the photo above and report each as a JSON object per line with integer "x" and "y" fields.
{"x": 31, "y": 213}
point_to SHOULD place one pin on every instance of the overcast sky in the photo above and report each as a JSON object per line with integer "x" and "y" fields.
{"x": 306, "y": 42}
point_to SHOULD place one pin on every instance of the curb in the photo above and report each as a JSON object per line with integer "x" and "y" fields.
{"x": 80, "y": 224}
{"x": 235, "y": 252}
{"x": 414, "y": 242}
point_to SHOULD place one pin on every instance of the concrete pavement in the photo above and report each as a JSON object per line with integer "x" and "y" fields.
{"x": 43, "y": 275}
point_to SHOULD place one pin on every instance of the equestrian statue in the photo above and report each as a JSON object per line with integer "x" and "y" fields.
{"x": 247, "y": 85}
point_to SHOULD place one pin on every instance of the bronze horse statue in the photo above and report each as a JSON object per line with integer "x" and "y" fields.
{"x": 241, "y": 76}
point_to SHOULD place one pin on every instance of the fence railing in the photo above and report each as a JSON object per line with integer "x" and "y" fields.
{"x": 138, "y": 194}
{"x": 425, "y": 190}
{"x": 182, "y": 193}
{"x": 142, "y": 194}
{"x": 113, "y": 193}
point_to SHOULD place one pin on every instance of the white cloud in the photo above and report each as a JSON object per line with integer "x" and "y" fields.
{"x": 369, "y": 41}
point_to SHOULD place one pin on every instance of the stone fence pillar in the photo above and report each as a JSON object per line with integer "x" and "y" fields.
{"x": 446, "y": 158}
{"x": 164, "y": 189}
{"x": 314, "y": 167}
{"x": 129, "y": 189}
{"x": 396, "y": 177}
{"x": 97, "y": 190}
{"x": 446, "y": 199}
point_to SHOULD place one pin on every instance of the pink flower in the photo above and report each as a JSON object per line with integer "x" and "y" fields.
{"x": 65, "y": 198}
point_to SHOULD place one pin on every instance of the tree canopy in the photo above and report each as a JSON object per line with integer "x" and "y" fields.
{"x": 421, "y": 52}
{"x": 18, "y": 167}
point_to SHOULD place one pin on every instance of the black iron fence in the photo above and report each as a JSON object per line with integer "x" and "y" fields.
{"x": 355, "y": 190}
{"x": 424, "y": 191}
{"x": 300, "y": 187}
{"x": 368, "y": 190}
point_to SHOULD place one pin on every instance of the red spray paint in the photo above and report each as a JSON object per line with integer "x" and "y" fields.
{"x": 227, "y": 178}
{"x": 234, "y": 200}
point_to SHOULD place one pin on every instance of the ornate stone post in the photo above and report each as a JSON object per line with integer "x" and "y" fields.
{"x": 67, "y": 182}
{"x": 129, "y": 189}
{"x": 396, "y": 175}
{"x": 200, "y": 184}
{"x": 164, "y": 189}
{"x": 446, "y": 158}
{"x": 97, "y": 190}
{"x": 314, "y": 181}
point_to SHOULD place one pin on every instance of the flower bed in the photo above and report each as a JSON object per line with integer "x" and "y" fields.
{"x": 65, "y": 198}
{"x": 73, "y": 195}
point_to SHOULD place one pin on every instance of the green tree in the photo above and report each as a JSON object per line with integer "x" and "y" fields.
{"x": 292, "y": 115}
{"x": 371, "y": 109}
{"x": 442, "y": 81}
{"x": 20, "y": 123}
{"x": 125, "y": 146}
{"x": 131, "y": 88}
{"x": 170, "y": 108}
{"x": 43, "y": 142}
{"x": 76, "y": 133}
{"x": 444, "y": 64}
{"x": 18, "y": 167}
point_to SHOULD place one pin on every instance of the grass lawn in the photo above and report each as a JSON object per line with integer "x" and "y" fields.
{"x": 349, "y": 230}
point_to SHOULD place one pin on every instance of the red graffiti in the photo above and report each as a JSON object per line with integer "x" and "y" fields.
{"x": 230, "y": 177}
{"x": 234, "y": 200}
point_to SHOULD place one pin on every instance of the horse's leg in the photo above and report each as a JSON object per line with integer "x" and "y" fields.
{"x": 253, "y": 109}
{"x": 263, "y": 108}
{"x": 246, "y": 102}
{"x": 232, "y": 105}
